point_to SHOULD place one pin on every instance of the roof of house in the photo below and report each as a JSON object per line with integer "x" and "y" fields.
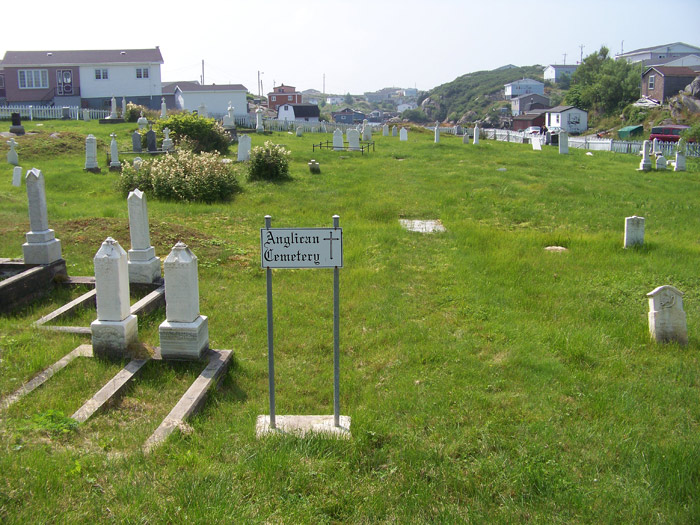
{"x": 673, "y": 71}
{"x": 562, "y": 109}
{"x": 64, "y": 58}
{"x": 523, "y": 80}
{"x": 521, "y": 97}
{"x": 193, "y": 87}
{"x": 530, "y": 115}
{"x": 168, "y": 88}
{"x": 305, "y": 110}
{"x": 652, "y": 48}
{"x": 563, "y": 66}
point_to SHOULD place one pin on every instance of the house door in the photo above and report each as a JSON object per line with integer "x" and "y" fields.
{"x": 64, "y": 82}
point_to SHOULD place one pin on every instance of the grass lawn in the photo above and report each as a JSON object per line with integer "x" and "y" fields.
{"x": 488, "y": 380}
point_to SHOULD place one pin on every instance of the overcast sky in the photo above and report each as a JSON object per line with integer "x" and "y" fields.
{"x": 360, "y": 45}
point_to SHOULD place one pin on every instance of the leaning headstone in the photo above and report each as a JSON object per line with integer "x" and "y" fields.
{"x": 563, "y": 143}
{"x": 679, "y": 165}
{"x": 91, "y": 164}
{"x": 394, "y": 131}
{"x": 259, "y": 121}
{"x": 634, "y": 231}
{"x": 113, "y": 109}
{"x": 403, "y": 135}
{"x": 353, "y": 140}
{"x": 366, "y": 131}
{"x": 656, "y": 150}
{"x": 185, "y": 333}
{"x": 465, "y": 138}
{"x": 151, "y": 143}
{"x": 116, "y": 328}
{"x": 163, "y": 108}
{"x": 144, "y": 266}
{"x": 114, "y": 164}
{"x": 338, "y": 140}
{"x": 667, "y": 321}
{"x": 314, "y": 167}
{"x": 17, "y": 176}
{"x": 136, "y": 144}
{"x": 167, "y": 141}
{"x": 300, "y": 131}
{"x": 12, "y": 157}
{"x": 385, "y": 130}
{"x": 142, "y": 121}
{"x": 476, "y": 134}
{"x": 65, "y": 113}
{"x": 86, "y": 114}
{"x": 41, "y": 247}
{"x": 437, "y": 132}
{"x": 244, "y": 148}
{"x": 645, "y": 164}
{"x": 124, "y": 107}
{"x": 16, "y": 126}
{"x": 660, "y": 162}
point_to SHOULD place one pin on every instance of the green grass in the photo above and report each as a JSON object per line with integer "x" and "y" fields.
{"x": 488, "y": 381}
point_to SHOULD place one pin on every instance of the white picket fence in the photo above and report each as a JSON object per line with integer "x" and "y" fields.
{"x": 306, "y": 127}
{"x": 49, "y": 112}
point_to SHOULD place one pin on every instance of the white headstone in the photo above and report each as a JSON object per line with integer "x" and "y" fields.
{"x": 680, "y": 161}
{"x": 536, "y": 144}
{"x": 163, "y": 108}
{"x": 113, "y": 111}
{"x": 634, "y": 231}
{"x": 142, "y": 121}
{"x": 137, "y": 162}
{"x": 123, "y": 107}
{"x": 366, "y": 131}
{"x": 114, "y": 153}
{"x": 167, "y": 141}
{"x": 656, "y": 149}
{"x": 12, "y": 157}
{"x": 437, "y": 132}
{"x": 259, "y": 121}
{"x": 91, "y": 153}
{"x": 115, "y": 328}
{"x": 17, "y": 176}
{"x": 41, "y": 247}
{"x": 394, "y": 131}
{"x": 202, "y": 110}
{"x": 244, "y": 148}
{"x": 144, "y": 267}
{"x": 300, "y": 131}
{"x": 476, "y": 134}
{"x": 338, "y": 140}
{"x": 229, "y": 121}
{"x": 385, "y": 130}
{"x": 184, "y": 334}
{"x": 666, "y": 316}
{"x": 660, "y": 162}
{"x": 353, "y": 140}
{"x": 86, "y": 114}
{"x": 403, "y": 135}
{"x": 465, "y": 137}
{"x": 563, "y": 143}
{"x": 645, "y": 164}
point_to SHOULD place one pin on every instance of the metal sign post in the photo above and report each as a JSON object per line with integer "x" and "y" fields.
{"x": 303, "y": 248}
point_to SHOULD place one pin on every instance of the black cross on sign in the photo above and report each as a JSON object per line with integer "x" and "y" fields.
{"x": 331, "y": 239}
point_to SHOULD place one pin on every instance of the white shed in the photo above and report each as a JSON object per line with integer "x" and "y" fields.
{"x": 567, "y": 118}
{"x": 215, "y": 97}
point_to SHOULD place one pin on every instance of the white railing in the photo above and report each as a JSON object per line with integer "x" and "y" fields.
{"x": 49, "y": 112}
{"x": 306, "y": 127}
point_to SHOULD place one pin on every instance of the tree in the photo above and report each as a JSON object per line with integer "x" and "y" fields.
{"x": 348, "y": 99}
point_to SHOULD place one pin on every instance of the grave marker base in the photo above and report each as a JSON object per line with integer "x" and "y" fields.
{"x": 300, "y": 426}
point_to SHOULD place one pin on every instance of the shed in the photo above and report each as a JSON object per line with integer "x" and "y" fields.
{"x": 630, "y": 131}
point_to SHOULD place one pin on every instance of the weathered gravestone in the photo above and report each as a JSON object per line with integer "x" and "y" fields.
{"x": 394, "y": 131}
{"x": 634, "y": 231}
{"x": 660, "y": 162}
{"x": 151, "y": 142}
{"x": 259, "y": 121}
{"x": 667, "y": 321}
{"x": 563, "y": 143}
{"x": 656, "y": 150}
{"x": 403, "y": 135}
{"x": 167, "y": 141}
{"x": 536, "y": 144}
{"x": 116, "y": 328}
{"x": 16, "y": 126}
{"x": 229, "y": 120}
{"x": 114, "y": 164}
{"x": 136, "y": 145}
{"x": 41, "y": 247}
{"x": 12, "y": 157}
{"x": 300, "y": 131}
{"x": 65, "y": 113}
{"x": 203, "y": 110}
{"x": 465, "y": 138}
{"x": 366, "y": 131}
{"x": 163, "y": 108}
{"x": 185, "y": 333}
{"x": 86, "y": 114}
{"x": 437, "y": 132}
{"x": 113, "y": 109}
{"x": 142, "y": 121}
{"x": 124, "y": 107}
{"x": 385, "y": 130}
{"x": 476, "y": 134}
{"x": 91, "y": 164}
{"x": 17, "y": 176}
{"x": 244, "y": 148}
{"x": 645, "y": 164}
{"x": 314, "y": 167}
{"x": 679, "y": 165}
{"x": 338, "y": 140}
{"x": 353, "y": 140}
{"x": 144, "y": 266}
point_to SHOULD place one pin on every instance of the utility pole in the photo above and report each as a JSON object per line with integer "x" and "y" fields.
{"x": 202, "y": 71}
{"x": 564, "y": 58}
{"x": 324, "y": 83}
{"x": 581, "y": 46}
{"x": 622, "y": 47}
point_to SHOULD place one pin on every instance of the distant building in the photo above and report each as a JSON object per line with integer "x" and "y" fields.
{"x": 662, "y": 82}
{"x": 335, "y": 100}
{"x": 567, "y": 118}
{"x": 658, "y": 55}
{"x": 410, "y": 92}
{"x": 554, "y": 72}
{"x": 283, "y": 95}
{"x": 405, "y": 107}
{"x": 523, "y": 87}
{"x": 525, "y": 103}
{"x": 215, "y": 97}
{"x": 531, "y": 118}
{"x": 347, "y": 116}
{"x": 299, "y": 112}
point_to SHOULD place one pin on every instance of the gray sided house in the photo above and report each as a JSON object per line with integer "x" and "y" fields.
{"x": 525, "y": 103}
{"x": 347, "y": 116}
{"x": 88, "y": 78}
{"x": 2, "y": 83}
{"x": 662, "y": 82}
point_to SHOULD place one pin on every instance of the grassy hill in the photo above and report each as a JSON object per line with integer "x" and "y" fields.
{"x": 474, "y": 94}
{"x": 488, "y": 380}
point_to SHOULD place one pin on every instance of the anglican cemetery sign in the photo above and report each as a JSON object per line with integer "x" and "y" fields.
{"x": 301, "y": 247}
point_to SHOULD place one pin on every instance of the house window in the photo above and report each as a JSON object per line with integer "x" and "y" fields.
{"x": 651, "y": 81}
{"x": 274, "y": 98}
{"x": 33, "y": 78}
{"x": 2, "y": 82}
{"x": 141, "y": 72}
{"x": 289, "y": 97}
{"x": 102, "y": 74}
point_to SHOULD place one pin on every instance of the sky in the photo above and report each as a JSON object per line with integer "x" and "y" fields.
{"x": 358, "y": 45}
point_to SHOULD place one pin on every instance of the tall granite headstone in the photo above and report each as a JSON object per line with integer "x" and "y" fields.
{"x": 41, "y": 247}
{"x": 144, "y": 266}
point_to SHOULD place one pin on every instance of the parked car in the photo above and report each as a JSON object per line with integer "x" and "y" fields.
{"x": 533, "y": 130}
{"x": 667, "y": 133}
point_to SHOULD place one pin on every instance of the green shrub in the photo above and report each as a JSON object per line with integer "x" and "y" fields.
{"x": 692, "y": 133}
{"x": 269, "y": 162}
{"x": 133, "y": 112}
{"x": 184, "y": 176}
{"x": 205, "y": 134}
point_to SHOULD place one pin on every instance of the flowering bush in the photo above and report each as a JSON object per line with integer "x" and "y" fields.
{"x": 204, "y": 134}
{"x": 269, "y": 162}
{"x": 184, "y": 176}
{"x": 133, "y": 112}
